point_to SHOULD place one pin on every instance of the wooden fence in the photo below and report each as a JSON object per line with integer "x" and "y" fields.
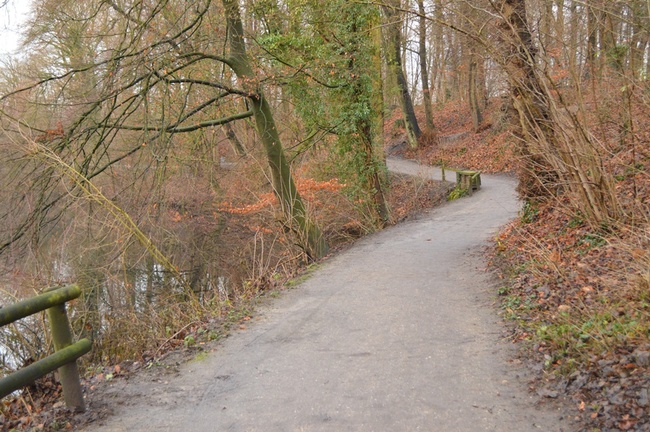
{"x": 66, "y": 352}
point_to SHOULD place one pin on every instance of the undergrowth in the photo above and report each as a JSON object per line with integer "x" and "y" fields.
{"x": 457, "y": 193}
{"x": 579, "y": 300}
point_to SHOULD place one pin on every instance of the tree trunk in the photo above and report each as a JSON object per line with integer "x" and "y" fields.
{"x": 426, "y": 93}
{"x": 559, "y": 32}
{"x": 363, "y": 22}
{"x": 592, "y": 41}
{"x": 558, "y": 152}
{"x": 547, "y": 26}
{"x": 608, "y": 35}
{"x": 234, "y": 140}
{"x": 469, "y": 18}
{"x": 309, "y": 234}
{"x": 574, "y": 23}
{"x": 394, "y": 57}
{"x": 528, "y": 99}
{"x": 475, "y": 108}
{"x": 438, "y": 64}
{"x": 375, "y": 158}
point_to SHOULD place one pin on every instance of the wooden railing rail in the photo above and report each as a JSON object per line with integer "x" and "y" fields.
{"x": 66, "y": 353}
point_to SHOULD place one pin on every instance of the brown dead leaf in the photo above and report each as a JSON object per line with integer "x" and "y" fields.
{"x": 626, "y": 425}
{"x": 555, "y": 257}
{"x": 637, "y": 253}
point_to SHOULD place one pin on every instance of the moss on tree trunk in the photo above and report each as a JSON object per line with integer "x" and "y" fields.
{"x": 309, "y": 234}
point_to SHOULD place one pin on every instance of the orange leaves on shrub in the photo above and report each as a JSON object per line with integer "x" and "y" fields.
{"x": 259, "y": 229}
{"x": 306, "y": 187}
{"x": 264, "y": 201}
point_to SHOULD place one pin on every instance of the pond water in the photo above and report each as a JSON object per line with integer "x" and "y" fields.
{"x": 136, "y": 291}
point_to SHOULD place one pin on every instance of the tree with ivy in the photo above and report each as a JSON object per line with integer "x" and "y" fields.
{"x": 332, "y": 51}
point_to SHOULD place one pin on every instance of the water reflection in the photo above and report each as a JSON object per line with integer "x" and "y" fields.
{"x": 142, "y": 290}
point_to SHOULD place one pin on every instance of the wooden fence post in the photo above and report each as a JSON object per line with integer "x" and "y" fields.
{"x": 68, "y": 373}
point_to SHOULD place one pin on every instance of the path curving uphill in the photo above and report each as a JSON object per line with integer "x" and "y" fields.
{"x": 398, "y": 333}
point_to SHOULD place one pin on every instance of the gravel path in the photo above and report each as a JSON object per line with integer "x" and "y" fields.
{"x": 398, "y": 333}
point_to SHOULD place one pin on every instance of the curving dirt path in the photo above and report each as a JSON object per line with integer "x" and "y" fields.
{"x": 398, "y": 333}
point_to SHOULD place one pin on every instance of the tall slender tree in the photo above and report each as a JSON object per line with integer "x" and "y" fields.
{"x": 393, "y": 26}
{"x": 424, "y": 75}
{"x": 559, "y": 154}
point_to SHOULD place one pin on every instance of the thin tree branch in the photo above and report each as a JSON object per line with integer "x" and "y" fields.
{"x": 183, "y": 129}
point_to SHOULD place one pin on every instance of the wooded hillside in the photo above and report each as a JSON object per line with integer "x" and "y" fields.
{"x": 177, "y": 158}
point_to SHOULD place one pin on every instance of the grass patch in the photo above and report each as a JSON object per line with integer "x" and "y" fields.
{"x": 579, "y": 301}
{"x": 457, "y": 193}
{"x": 202, "y": 356}
{"x": 303, "y": 277}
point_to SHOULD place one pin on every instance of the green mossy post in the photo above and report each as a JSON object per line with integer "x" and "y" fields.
{"x": 468, "y": 180}
{"x": 68, "y": 372}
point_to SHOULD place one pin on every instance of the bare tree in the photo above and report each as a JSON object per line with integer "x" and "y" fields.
{"x": 560, "y": 153}
{"x": 147, "y": 74}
